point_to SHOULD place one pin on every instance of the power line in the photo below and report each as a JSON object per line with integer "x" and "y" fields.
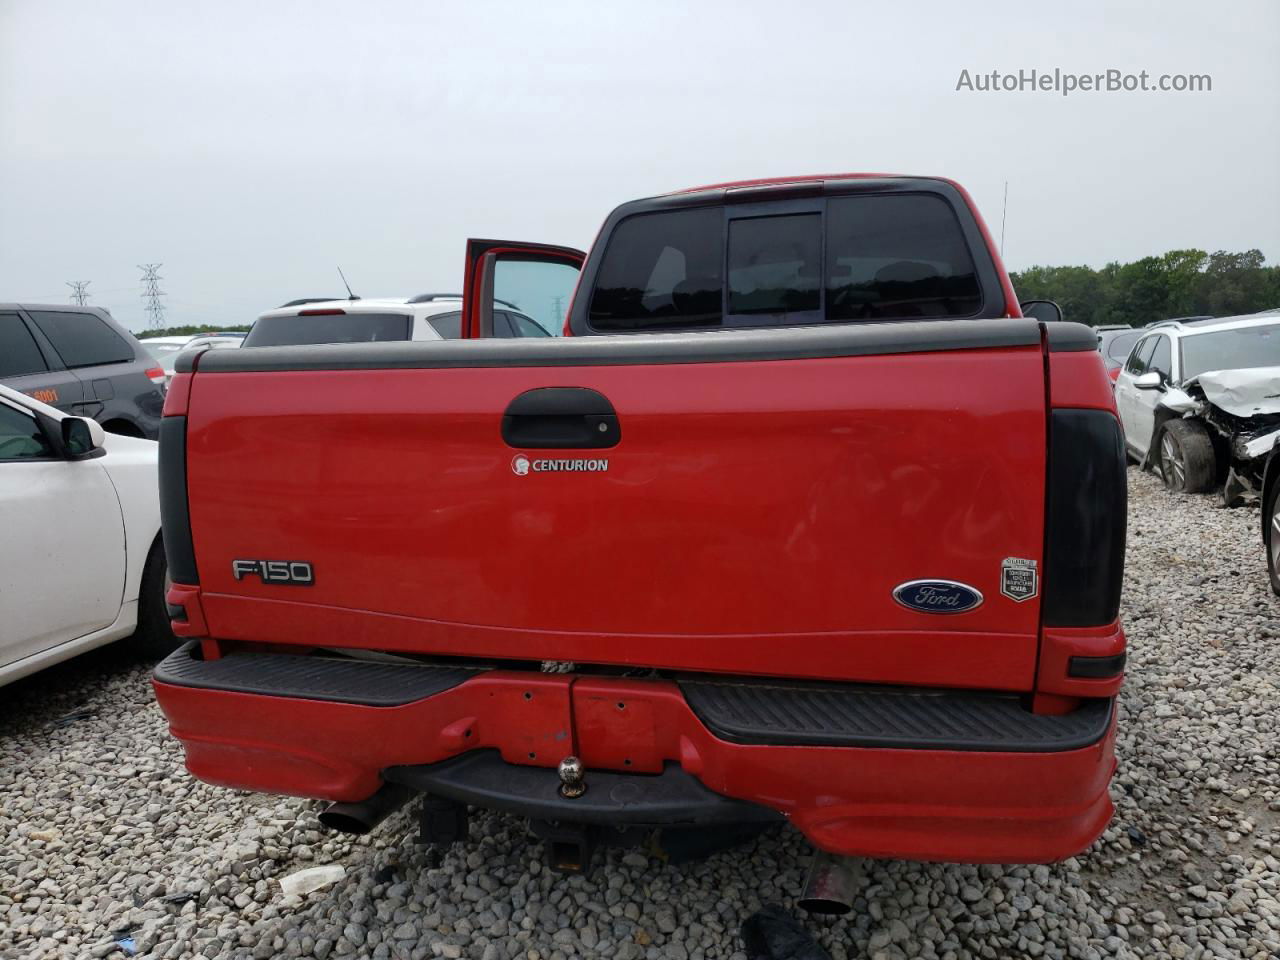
{"x": 79, "y": 291}
{"x": 151, "y": 294}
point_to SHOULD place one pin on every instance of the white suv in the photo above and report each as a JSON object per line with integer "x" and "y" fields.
{"x": 1194, "y": 395}
{"x": 429, "y": 316}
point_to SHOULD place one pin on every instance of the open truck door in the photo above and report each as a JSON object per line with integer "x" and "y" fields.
{"x": 515, "y": 289}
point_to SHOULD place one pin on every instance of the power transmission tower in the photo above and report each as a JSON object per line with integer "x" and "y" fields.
{"x": 558, "y": 305}
{"x": 79, "y": 291}
{"x": 151, "y": 294}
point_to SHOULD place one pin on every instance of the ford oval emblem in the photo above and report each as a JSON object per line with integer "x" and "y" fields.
{"x": 937, "y": 596}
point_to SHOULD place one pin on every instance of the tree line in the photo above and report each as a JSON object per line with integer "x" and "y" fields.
{"x": 1180, "y": 283}
{"x": 190, "y": 329}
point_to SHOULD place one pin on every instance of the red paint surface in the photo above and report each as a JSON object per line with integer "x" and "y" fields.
{"x": 750, "y": 511}
{"x": 923, "y": 804}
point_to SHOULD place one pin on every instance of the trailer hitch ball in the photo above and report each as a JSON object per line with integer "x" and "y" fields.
{"x": 571, "y": 778}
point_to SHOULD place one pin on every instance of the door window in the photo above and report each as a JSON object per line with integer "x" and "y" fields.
{"x": 1162, "y": 358}
{"x": 19, "y": 354}
{"x": 1137, "y": 364}
{"x": 82, "y": 339}
{"x": 21, "y": 437}
{"x": 448, "y": 325}
{"x": 538, "y": 289}
{"x": 524, "y": 327}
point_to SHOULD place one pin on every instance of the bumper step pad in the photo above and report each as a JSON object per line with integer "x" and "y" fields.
{"x": 800, "y": 714}
{"x": 344, "y": 680}
{"x": 482, "y": 778}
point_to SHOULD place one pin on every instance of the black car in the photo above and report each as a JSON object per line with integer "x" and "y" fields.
{"x": 80, "y": 360}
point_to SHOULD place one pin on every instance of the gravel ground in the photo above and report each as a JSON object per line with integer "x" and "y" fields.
{"x": 105, "y": 834}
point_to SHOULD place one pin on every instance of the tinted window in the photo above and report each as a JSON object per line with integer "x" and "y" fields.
{"x": 1231, "y": 350}
{"x": 661, "y": 270}
{"x": 897, "y": 256}
{"x": 1162, "y": 358}
{"x": 20, "y": 436}
{"x": 328, "y": 328}
{"x": 502, "y": 324}
{"x": 448, "y": 325}
{"x": 524, "y": 327}
{"x": 775, "y": 264}
{"x": 18, "y": 351}
{"x": 82, "y": 339}
{"x": 1120, "y": 345}
{"x": 1137, "y": 364}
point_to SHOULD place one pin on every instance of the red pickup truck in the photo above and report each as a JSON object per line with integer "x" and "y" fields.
{"x": 802, "y": 518}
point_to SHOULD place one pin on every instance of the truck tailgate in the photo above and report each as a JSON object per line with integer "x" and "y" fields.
{"x": 755, "y": 516}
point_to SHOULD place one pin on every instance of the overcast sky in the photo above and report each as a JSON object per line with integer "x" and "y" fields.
{"x": 250, "y": 147}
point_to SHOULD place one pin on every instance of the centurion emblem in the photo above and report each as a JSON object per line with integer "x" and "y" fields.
{"x": 522, "y": 465}
{"x": 1018, "y": 579}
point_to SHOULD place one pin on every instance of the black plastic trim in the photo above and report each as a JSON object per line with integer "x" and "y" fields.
{"x": 483, "y": 779}
{"x": 1085, "y": 525}
{"x": 903, "y": 718}
{"x": 561, "y": 418}
{"x": 1065, "y": 336}
{"x": 175, "y": 516}
{"x": 366, "y": 682}
{"x": 1096, "y": 668}
{"x": 792, "y": 343}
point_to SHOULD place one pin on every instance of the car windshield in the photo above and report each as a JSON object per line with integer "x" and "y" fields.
{"x": 328, "y": 328}
{"x": 1238, "y": 349}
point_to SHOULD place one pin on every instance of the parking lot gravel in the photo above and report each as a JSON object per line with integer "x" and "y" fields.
{"x": 106, "y": 838}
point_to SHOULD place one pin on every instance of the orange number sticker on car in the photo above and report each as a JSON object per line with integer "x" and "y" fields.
{"x": 49, "y": 395}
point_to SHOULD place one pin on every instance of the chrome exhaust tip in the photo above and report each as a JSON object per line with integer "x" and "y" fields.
{"x": 832, "y": 884}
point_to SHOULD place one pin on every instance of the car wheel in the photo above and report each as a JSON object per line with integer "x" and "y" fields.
{"x": 1272, "y": 516}
{"x": 154, "y": 637}
{"x": 1187, "y": 461}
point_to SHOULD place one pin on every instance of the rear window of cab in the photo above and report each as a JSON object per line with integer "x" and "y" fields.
{"x": 881, "y": 257}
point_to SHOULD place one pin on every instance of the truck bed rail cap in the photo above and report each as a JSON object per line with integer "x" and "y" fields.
{"x": 792, "y": 343}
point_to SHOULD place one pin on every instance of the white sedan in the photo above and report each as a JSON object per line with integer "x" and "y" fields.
{"x": 82, "y": 563}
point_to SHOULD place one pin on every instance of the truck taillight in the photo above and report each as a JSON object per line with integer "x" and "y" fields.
{"x": 1085, "y": 523}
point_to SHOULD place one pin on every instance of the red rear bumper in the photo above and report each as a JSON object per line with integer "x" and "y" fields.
{"x": 924, "y": 804}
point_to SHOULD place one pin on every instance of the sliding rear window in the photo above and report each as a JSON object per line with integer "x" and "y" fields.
{"x": 328, "y": 328}
{"x": 878, "y": 257}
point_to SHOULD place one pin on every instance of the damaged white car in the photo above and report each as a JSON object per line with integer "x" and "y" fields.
{"x": 1200, "y": 402}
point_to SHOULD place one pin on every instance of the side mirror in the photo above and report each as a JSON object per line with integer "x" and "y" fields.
{"x": 81, "y": 437}
{"x": 1045, "y": 310}
{"x": 1149, "y": 381}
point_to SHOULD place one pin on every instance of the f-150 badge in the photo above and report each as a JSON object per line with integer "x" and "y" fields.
{"x": 1018, "y": 579}
{"x": 294, "y": 572}
{"x": 937, "y": 596}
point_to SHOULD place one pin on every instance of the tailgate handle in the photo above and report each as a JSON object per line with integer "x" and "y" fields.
{"x": 550, "y": 418}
